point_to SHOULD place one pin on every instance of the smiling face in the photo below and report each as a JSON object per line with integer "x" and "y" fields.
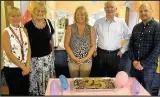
{"x": 39, "y": 11}
{"x": 14, "y": 16}
{"x": 145, "y": 12}
{"x": 110, "y": 8}
{"x": 81, "y": 15}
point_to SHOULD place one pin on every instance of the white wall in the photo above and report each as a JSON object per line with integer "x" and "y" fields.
{"x": 3, "y": 19}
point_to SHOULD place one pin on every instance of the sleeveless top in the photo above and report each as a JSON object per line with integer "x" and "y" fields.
{"x": 15, "y": 47}
{"x": 80, "y": 45}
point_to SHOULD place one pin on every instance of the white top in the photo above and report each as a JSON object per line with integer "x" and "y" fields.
{"x": 109, "y": 35}
{"x": 15, "y": 47}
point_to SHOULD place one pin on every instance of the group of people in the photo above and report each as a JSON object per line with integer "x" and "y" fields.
{"x": 28, "y": 51}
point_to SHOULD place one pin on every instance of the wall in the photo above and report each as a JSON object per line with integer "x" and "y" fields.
{"x": 98, "y": 5}
{"x": 17, "y": 4}
{"x": 92, "y": 7}
{"x": 50, "y": 12}
{"x": 3, "y": 19}
{"x": 155, "y": 6}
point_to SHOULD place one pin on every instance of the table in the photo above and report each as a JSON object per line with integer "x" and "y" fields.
{"x": 119, "y": 91}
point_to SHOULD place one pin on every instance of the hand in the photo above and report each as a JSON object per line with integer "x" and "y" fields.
{"x": 119, "y": 54}
{"x": 77, "y": 60}
{"x": 137, "y": 65}
{"x": 84, "y": 59}
{"x": 95, "y": 53}
{"x": 25, "y": 71}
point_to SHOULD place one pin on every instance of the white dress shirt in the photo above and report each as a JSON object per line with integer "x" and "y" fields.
{"x": 109, "y": 35}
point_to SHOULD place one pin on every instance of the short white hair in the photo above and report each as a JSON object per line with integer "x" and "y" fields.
{"x": 112, "y": 2}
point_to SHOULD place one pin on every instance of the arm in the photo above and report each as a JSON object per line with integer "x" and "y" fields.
{"x": 51, "y": 38}
{"x": 29, "y": 50}
{"x": 95, "y": 27}
{"x": 130, "y": 46}
{"x": 155, "y": 50}
{"x": 52, "y": 45}
{"x": 134, "y": 62}
{"x": 67, "y": 44}
{"x": 93, "y": 46}
{"x": 126, "y": 36}
{"x": 96, "y": 37}
{"x": 6, "y": 47}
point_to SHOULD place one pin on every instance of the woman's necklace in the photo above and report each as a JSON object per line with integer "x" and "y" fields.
{"x": 39, "y": 27}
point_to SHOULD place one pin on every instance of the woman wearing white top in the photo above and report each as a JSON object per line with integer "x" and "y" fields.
{"x": 16, "y": 53}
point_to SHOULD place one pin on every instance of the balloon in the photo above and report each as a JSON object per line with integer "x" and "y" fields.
{"x": 135, "y": 88}
{"x": 121, "y": 79}
{"x": 54, "y": 88}
{"x": 26, "y": 17}
{"x": 64, "y": 82}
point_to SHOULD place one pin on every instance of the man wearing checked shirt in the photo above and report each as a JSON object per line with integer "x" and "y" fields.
{"x": 144, "y": 49}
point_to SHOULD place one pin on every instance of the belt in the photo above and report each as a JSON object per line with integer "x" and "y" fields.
{"x": 108, "y": 51}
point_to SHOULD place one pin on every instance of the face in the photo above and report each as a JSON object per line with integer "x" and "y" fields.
{"x": 80, "y": 17}
{"x": 39, "y": 13}
{"x": 15, "y": 19}
{"x": 145, "y": 12}
{"x": 110, "y": 9}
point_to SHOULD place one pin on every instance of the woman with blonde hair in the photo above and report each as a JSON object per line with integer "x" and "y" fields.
{"x": 40, "y": 33}
{"x": 80, "y": 44}
{"x": 16, "y": 54}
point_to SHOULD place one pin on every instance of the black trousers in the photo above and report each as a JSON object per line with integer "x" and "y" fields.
{"x": 108, "y": 62}
{"x": 17, "y": 83}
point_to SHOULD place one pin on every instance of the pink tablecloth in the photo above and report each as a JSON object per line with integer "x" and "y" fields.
{"x": 119, "y": 91}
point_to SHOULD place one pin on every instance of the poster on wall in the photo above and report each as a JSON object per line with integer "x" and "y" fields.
{"x": 133, "y": 19}
{"x": 60, "y": 25}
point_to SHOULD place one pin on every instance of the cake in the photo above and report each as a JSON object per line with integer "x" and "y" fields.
{"x": 93, "y": 83}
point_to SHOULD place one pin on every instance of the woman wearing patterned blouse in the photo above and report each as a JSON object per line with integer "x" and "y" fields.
{"x": 16, "y": 54}
{"x": 40, "y": 33}
{"x": 80, "y": 44}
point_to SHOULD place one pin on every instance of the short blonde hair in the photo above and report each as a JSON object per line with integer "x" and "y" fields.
{"x": 38, "y": 5}
{"x": 81, "y": 9}
{"x": 145, "y": 4}
{"x": 13, "y": 11}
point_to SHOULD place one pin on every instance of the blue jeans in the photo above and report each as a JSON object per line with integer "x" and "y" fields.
{"x": 156, "y": 85}
{"x": 125, "y": 63}
{"x": 148, "y": 78}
